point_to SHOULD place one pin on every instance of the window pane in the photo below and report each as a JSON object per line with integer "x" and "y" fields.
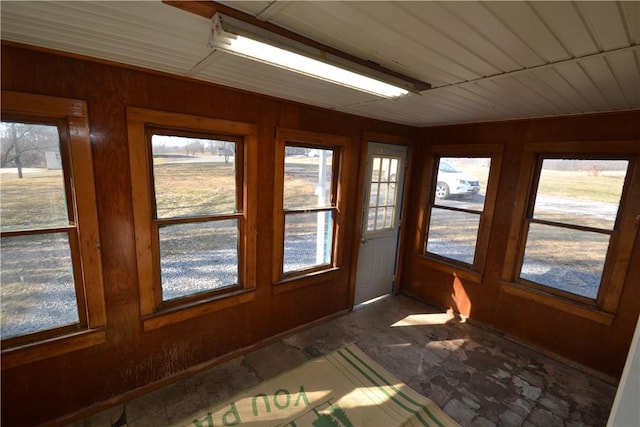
{"x": 453, "y": 234}
{"x": 371, "y": 219}
{"x": 307, "y": 178}
{"x": 32, "y": 191}
{"x": 580, "y": 192}
{"x": 198, "y": 257}
{"x": 374, "y": 194}
{"x": 391, "y": 196}
{"x": 388, "y": 220}
{"x": 384, "y": 191}
{"x": 193, "y": 177}
{"x": 36, "y": 279}
{"x": 307, "y": 240}
{"x": 565, "y": 259}
{"x": 393, "y": 170}
{"x": 375, "y": 169}
{"x": 380, "y": 218}
{"x": 384, "y": 170}
{"x": 462, "y": 182}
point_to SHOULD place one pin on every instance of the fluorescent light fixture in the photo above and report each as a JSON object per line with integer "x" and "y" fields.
{"x": 241, "y": 38}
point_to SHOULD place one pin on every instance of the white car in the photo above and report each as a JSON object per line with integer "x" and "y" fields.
{"x": 451, "y": 181}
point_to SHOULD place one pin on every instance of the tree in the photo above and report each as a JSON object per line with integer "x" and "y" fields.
{"x": 194, "y": 148}
{"x": 226, "y": 149}
{"x": 24, "y": 145}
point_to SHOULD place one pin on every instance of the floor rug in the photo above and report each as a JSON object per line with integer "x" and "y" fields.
{"x": 343, "y": 389}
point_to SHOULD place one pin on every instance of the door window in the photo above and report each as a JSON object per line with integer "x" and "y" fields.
{"x": 383, "y": 194}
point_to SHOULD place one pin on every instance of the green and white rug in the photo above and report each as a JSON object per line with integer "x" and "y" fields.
{"x": 343, "y": 389}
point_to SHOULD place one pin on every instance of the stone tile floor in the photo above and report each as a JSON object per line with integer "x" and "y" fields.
{"x": 478, "y": 377}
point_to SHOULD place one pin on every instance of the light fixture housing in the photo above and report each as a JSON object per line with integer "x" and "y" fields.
{"x": 241, "y": 38}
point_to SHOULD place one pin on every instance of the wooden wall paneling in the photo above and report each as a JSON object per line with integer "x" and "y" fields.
{"x": 589, "y": 127}
{"x": 580, "y": 339}
{"x": 132, "y": 358}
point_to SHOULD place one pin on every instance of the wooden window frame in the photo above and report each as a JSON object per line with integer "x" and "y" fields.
{"x": 603, "y": 308}
{"x": 156, "y": 223}
{"x": 470, "y": 272}
{"x": 141, "y": 123}
{"x": 293, "y": 137}
{"x": 71, "y": 118}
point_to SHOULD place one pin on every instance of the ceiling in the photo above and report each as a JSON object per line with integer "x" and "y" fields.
{"x": 485, "y": 60}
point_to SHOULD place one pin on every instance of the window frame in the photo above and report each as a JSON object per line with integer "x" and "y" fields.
{"x": 305, "y": 139}
{"x": 70, "y": 116}
{"x": 473, "y": 271}
{"x": 157, "y": 223}
{"x": 603, "y": 308}
{"x": 141, "y": 125}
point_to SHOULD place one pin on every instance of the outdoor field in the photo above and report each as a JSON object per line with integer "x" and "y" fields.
{"x": 36, "y": 275}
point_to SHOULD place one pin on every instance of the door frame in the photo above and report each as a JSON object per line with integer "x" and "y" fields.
{"x": 357, "y": 221}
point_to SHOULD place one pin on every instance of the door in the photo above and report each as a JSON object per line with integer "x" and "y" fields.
{"x": 382, "y": 204}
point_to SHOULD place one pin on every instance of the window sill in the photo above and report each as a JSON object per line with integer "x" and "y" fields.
{"x": 33, "y": 352}
{"x": 452, "y": 269}
{"x": 196, "y": 309}
{"x": 559, "y": 303}
{"x": 303, "y": 280}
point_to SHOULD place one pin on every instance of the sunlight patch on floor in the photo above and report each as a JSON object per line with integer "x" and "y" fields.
{"x": 425, "y": 319}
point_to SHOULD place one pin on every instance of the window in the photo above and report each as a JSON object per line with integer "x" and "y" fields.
{"x": 307, "y": 216}
{"x": 50, "y": 275}
{"x": 383, "y": 194}
{"x": 574, "y": 226}
{"x": 198, "y": 210}
{"x": 459, "y": 195}
{"x": 570, "y": 222}
{"x": 461, "y": 199}
{"x": 192, "y": 197}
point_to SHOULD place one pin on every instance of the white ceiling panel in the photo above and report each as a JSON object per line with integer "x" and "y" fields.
{"x": 527, "y": 26}
{"x": 485, "y": 60}
{"x": 474, "y": 42}
{"x": 604, "y": 19}
{"x": 136, "y": 33}
{"x": 417, "y": 33}
{"x": 630, "y": 11}
{"x": 600, "y": 73}
{"x": 565, "y": 21}
{"x": 483, "y": 20}
{"x": 574, "y": 73}
{"x": 564, "y": 92}
{"x": 547, "y": 99}
{"x": 626, "y": 68}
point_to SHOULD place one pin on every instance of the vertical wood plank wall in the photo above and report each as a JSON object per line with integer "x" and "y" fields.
{"x": 585, "y": 341}
{"x": 131, "y": 358}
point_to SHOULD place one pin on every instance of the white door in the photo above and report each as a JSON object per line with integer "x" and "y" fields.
{"x": 380, "y": 221}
